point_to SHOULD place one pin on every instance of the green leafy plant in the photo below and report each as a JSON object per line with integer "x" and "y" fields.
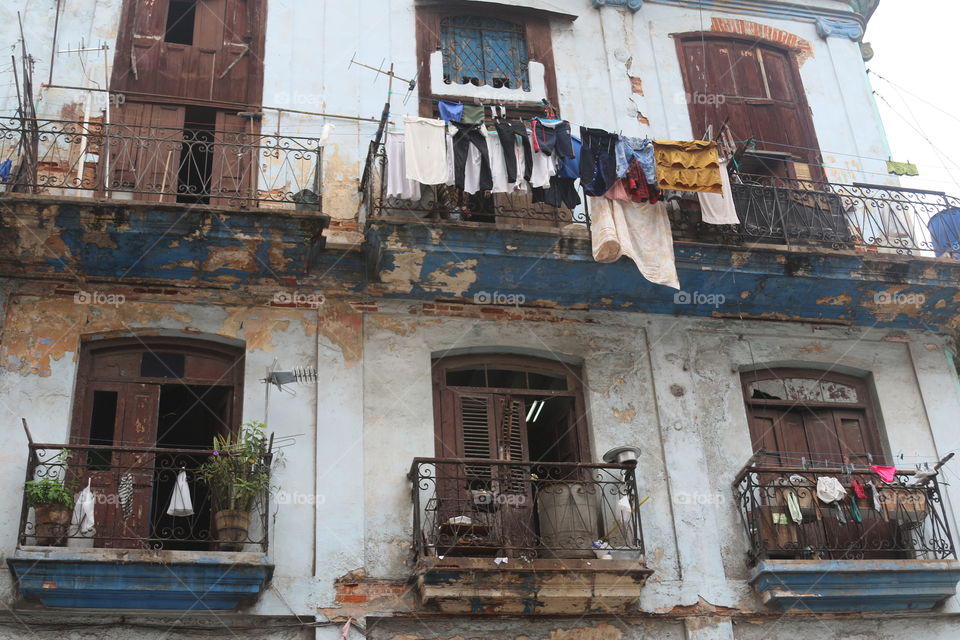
{"x": 238, "y": 472}
{"x": 47, "y": 491}
{"x": 50, "y": 490}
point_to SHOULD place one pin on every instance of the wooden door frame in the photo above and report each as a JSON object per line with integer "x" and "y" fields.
{"x": 90, "y": 348}
{"x": 529, "y": 364}
{"x": 803, "y": 105}
{"x": 864, "y": 397}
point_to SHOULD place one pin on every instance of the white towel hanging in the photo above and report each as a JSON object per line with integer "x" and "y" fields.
{"x": 82, "y": 521}
{"x": 180, "y": 502}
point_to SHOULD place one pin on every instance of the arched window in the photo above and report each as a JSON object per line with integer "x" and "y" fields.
{"x": 820, "y": 416}
{"x": 509, "y": 408}
{"x": 484, "y": 51}
{"x": 142, "y": 406}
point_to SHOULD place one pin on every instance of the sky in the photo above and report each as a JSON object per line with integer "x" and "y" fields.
{"x": 913, "y": 75}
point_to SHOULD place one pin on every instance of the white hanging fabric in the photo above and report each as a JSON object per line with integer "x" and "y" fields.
{"x": 180, "y": 502}
{"x": 82, "y": 521}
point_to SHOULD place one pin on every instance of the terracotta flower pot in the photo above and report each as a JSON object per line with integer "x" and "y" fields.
{"x": 52, "y": 522}
{"x": 232, "y": 529}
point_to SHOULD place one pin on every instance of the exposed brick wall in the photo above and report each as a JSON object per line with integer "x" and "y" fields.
{"x": 801, "y": 47}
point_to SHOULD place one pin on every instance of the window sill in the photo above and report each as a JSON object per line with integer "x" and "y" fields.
{"x": 139, "y": 579}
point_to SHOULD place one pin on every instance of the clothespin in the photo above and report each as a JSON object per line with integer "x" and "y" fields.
{"x": 870, "y": 458}
{"x": 803, "y": 462}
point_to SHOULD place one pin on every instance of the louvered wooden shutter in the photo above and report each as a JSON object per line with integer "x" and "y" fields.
{"x": 511, "y": 443}
{"x": 476, "y": 436}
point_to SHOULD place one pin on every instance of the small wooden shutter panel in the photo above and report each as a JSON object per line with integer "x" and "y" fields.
{"x": 234, "y": 161}
{"x": 476, "y": 436}
{"x": 512, "y": 443}
{"x": 145, "y": 147}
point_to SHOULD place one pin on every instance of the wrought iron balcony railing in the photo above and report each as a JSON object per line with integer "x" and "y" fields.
{"x": 440, "y": 204}
{"x": 838, "y": 216}
{"x": 132, "y": 493}
{"x": 496, "y": 508}
{"x": 785, "y": 519}
{"x": 190, "y": 164}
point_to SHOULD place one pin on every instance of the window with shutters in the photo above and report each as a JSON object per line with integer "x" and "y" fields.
{"x": 509, "y": 408}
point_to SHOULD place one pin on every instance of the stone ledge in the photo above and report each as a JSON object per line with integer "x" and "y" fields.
{"x": 855, "y": 585}
{"x": 542, "y": 586}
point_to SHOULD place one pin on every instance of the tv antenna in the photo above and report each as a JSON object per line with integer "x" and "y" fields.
{"x": 385, "y": 115}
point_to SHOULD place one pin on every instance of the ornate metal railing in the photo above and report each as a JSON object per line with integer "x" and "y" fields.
{"x": 840, "y": 216}
{"x": 785, "y": 518}
{"x": 495, "y": 508}
{"x": 191, "y": 165}
{"x": 447, "y": 204}
{"x": 133, "y": 489}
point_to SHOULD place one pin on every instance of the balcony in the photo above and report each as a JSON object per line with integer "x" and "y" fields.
{"x": 135, "y": 555}
{"x": 857, "y": 217}
{"x": 858, "y": 554}
{"x": 492, "y": 536}
{"x": 849, "y": 255}
{"x": 192, "y": 165}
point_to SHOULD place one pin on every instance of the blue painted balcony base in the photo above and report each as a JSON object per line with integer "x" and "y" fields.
{"x": 855, "y": 585}
{"x": 135, "y": 579}
{"x": 468, "y": 263}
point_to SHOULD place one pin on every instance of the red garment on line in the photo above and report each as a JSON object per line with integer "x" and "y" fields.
{"x": 886, "y": 473}
{"x": 858, "y": 490}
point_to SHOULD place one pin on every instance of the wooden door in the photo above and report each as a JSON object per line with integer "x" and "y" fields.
{"x": 144, "y": 150}
{"x": 797, "y": 432}
{"x": 757, "y": 87}
{"x": 235, "y": 158}
{"x": 122, "y": 519}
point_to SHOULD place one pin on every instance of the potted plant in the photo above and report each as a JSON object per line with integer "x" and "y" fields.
{"x": 52, "y": 505}
{"x": 238, "y": 475}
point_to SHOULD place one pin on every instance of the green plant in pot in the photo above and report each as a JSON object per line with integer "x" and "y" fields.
{"x": 238, "y": 476}
{"x": 52, "y": 504}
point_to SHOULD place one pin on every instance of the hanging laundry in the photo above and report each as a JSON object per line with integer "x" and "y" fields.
{"x": 875, "y": 495}
{"x": 887, "y": 474}
{"x": 552, "y": 137}
{"x": 125, "y": 494}
{"x": 639, "y": 231}
{"x": 855, "y": 510}
{"x": 633, "y": 187}
{"x": 839, "y": 511}
{"x": 181, "y": 504}
{"x": 944, "y": 230}
{"x": 510, "y": 134}
{"x": 397, "y": 184}
{"x": 498, "y": 165}
{"x": 643, "y": 153}
{"x": 624, "y": 153}
{"x": 902, "y": 168}
{"x": 425, "y": 150}
{"x": 688, "y": 166}
{"x": 829, "y": 489}
{"x": 561, "y": 192}
{"x": 598, "y": 161}
{"x": 793, "y": 505}
{"x": 719, "y": 208}
{"x": 5, "y": 168}
{"x": 83, "y": 520}
{"x": 858, "y": 490}
{"x": 542, "y": 170}
{"x": 465, "y": 137}
{"x": 472, "y": 114}
{"x": 450, "y": 111}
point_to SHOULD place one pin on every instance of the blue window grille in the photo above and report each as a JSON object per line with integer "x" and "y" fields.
{"x": 482, "y": 51}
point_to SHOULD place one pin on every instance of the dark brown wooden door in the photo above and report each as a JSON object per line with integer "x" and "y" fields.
{"x": 145, "y": 149}
{"x": 234, "y": 161}
{"x": 817, "y": 421}
{"x": 217, "y": 54}
{"x": 757, "y": 87}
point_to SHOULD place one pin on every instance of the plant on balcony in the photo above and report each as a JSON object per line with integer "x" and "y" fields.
{"x": 238, "y": 476}
{"x": 52, "y": 503}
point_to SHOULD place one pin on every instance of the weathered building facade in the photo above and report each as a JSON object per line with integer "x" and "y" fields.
{"x": 171, "y": 248}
